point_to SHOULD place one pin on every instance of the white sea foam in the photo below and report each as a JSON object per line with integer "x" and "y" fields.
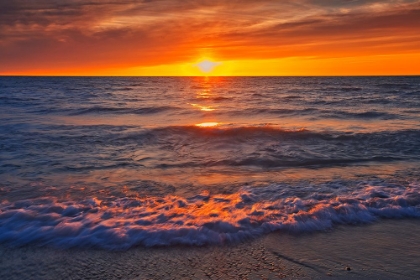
{"x": 120, "y": 223}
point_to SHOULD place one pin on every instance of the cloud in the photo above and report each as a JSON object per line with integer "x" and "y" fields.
{"x": 74, "y": 33}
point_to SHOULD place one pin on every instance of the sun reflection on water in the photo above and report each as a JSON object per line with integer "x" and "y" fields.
{"x": 207, "y": 124}
{"x": 202, "y": 108}
{"x": 204, "y": 94}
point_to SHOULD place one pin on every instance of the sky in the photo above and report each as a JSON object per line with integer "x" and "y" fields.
{"x": 229, "y": 37}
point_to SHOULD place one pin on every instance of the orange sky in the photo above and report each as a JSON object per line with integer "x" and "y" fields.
{"x": 169, "y": 37}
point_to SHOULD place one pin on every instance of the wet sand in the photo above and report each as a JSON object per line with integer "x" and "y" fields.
{"x": 386, "y": 250}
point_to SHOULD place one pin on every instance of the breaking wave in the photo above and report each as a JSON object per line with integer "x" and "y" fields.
{"x": 121, "y": 223}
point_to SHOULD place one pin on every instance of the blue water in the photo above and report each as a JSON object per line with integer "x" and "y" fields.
{"x": 118, "y": 162}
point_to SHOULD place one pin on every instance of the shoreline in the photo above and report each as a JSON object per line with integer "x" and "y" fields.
{"x": 387, "y": 249}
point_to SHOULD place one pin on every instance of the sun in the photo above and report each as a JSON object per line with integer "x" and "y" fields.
{"x": 206, "y": 66}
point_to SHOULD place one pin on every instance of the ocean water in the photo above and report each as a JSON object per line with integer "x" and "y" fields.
{"x": 112, "y": 163}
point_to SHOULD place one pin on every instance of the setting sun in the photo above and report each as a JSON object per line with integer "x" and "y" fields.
{"x": 207, "y": 66}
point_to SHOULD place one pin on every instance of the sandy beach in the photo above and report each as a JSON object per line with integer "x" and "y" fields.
{"x": 386, "y": 250}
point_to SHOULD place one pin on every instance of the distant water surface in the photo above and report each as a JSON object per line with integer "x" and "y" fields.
{"x": 118, "y": 162}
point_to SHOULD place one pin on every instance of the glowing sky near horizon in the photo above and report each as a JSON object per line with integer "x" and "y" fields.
{"x": 172, "y": 37}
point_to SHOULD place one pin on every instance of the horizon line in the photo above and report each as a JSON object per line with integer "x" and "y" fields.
{"x": 210, "y": 76}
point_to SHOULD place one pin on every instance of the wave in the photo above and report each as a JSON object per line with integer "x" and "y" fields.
{"x": 317, "y": 113}
{"x": 121, "y": 223}
{"x": 361, "y": 115}
{"x": 274, "y": 111}
{"x": 398, "y": 85}
{"x": 342, "y": 88}
{"x": 244, "y": 133}
{"x": 243, "y": 147}
{"x": 273, "y": 163}
{"x": 218, "y": 98}
{"x": 272, "y": 147}
{"x": 238, "y": 132}
{"x": 114, "y": 110}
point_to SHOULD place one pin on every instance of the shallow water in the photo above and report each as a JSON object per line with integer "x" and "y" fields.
{"x": 119, "y": 162}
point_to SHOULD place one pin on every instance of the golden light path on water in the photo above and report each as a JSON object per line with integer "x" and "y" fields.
{"x": 207, "y": 124}
{"x": 202, "y": 108}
